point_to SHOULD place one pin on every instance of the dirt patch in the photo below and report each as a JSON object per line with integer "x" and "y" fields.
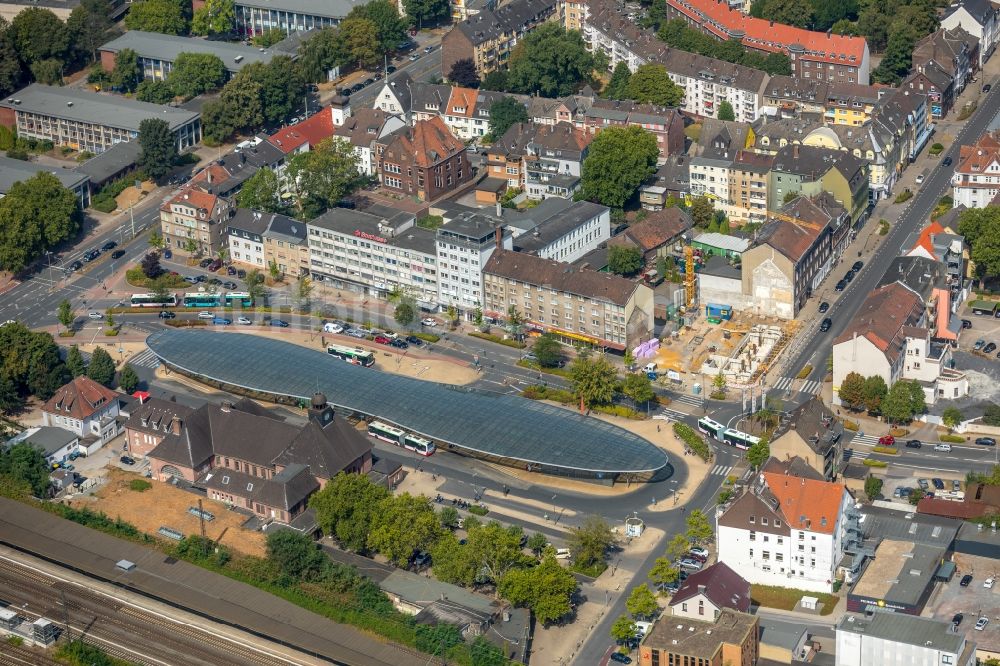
{"x": 164, "y": 505}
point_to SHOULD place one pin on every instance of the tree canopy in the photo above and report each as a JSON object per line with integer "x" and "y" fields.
{"x": 651, "y": 83}
{"x": 550, "y": 61}
{"x": 504, "y": 113}
{"x": 157, "y": 148}
{"x": 677, "y": 34}
{"x": 547, "y": 589}
{"x": 593, "y": 378}
{"x": 463, "y": 73}
{"x": 403, "y": 525}
{"x": 618, "y": 83}
{"x": 323, "y": 176}
{"x": 165, "y": 16}
{"x": 981, "y": 228}
{"x": 345, "y": 509}
{"x": 196, "y": 73}
{"x": 624, "y": 260}
{"x": 426, "y": 11}
{"x": 23, "y": 462}
{"x": 37, "y": 214}
{"x": 102, "y": 367}
{"x": 215, "y": 17}
{"x": 620, "y": 159}
{"x": 260, "y": 192}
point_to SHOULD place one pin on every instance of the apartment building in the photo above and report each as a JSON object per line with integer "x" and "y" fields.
{"x": 425, "y": 161}
{"x": 464, "y": 245}
{"x": 976, "y": 181}
{"x": 748, "y": 186}
{"x": 794, "y": 252}
{"x": 254, "y": 17}
{"x": 374, "y": 255}
{"x": 808, "y": 170}
{"x": 929, "y": 78}
{"x": 245, "y": 232}
{"x": 707, "y": 82}
{"x": 158, "y": 52}
{"x": 286, "y": 245}
{"x": 563, "y": 230}
{"x": 195, "y": 220}
{"x": 814, "y": 55}
{"x": 488, "y": 38}
{"x": 90, "y": 121}
{"x": 786, "y": 531}
{"x": 895, "y": 638}
{"x": 711, "y": 159}
{"x": 979, "y": 18}
{"x": 812, "y": 434}
{"x": 575, "y": 305}
{"x": 543, "y": 160}
{"x": 955, "y": 51}
{"x": 731, "y": 638}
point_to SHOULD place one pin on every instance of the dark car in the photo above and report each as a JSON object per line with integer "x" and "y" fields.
{"x": 110, "y": 245}
{"x": 913, "y": 444}
{"x": 167, "y": 314}
{"x": 966, "y": 323}
{"x": 825, "y": 325}
{"x": 841, "y": 286}
{"x": 241, "y": 274}
{"x": 938, "y": 483}
{"x": 230, "y": 270}
{"x": 205, "y": 263}
{"x": 90, "y": 256}
{"x": 849, "y": 275}
{"x": 988, "y": 349}
{"x": 823, "y": 307}
{"x": 399, "y": 344}
{"x": 229, "y": 284}
{"x": 390, "y": 69}
{"x": 957, "y": 619}
{"x": 414, "y": 340}
{"x": 368, "y": 82}
{"x": 621, "y": 658}
{"x": 356, "y": 87}
{"x": 344, "y": 92}
{"x": 986, "y": 441}
{"x": 75, "y": 266}
{"x": 127, "y": 460}
{"x": 857, "y": 266}
{"x": 966, "y": 579}
{"x": 215, "y": 265}
{"x": 199, "y": 278}
{"x": 214, "y": 281}
{"x": 118, "y": 254}
{"x": 279, "y": 323}
{"x": 946, "y": 161}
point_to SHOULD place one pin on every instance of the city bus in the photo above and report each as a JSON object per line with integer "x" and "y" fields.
{"x": 740, "y": 440}
{"x": 154, "y": 301}
{"x": 713, "y": 429}
{"x": 202, "y": 299}
{"x": 355, "y": 355}
{"x": 393, "y": 435}
{"x": 241, "y": 298}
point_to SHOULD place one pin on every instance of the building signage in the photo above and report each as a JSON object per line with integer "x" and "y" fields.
{"x": 368, "y": 236}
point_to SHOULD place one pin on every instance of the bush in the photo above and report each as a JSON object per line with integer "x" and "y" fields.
{"x": 136, "y": 278}
{"x": 427, "y": 337}
{"x": 692, "y": 440}
{"x": 592, "y": 570}
{"x": 103, "y": 204}
{"x": 804, "y": 372}
{"x": 875, "y": 463}
{"x": 477, "y": 510}
{"x": 904, "y": 196}
{"x": 619, "y": 410}
{"x": 899, "y": 432}
{"x": 952, "y": 439}
{"x": 851, "y": 425}
{"x": 538, "y": 392}
{"x": 497, "y": 339}
{"x": 16, "y": 641}
{"x": 935, "y": 149}
{"x": 883, "y": 227}
{"x": 139, "y": 485}
{"x": 891, "y": 450}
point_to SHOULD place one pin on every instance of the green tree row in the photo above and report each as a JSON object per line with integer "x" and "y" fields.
{"x": 898, "y": 404}
{"x": 36, "y": 215}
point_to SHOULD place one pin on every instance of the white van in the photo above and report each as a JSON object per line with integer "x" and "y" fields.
{"x": 563, "y": 554}
{"x": 330, "y": 327}
{"x": 650, "y": 367}
{"x": 643, "y": 628}
{"x": 943, "y": 447}
{"x": 921, "y": 176}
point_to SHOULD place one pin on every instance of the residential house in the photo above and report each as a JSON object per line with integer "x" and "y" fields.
{"x": 808, "y": 170}
{"x": 577, "y": 305}
{"x": 955, "y": 51}
{"x": 794, "y": 252}
{"x": 425, "y": 161}
{"x": 814, "y": 55}
{"x": 226, "y": 175}
{"x": 732, "y": 638}
{"x": 979, "y": 18}
{"x": 488, "y": 38}
{"x": 86, "y": 409}
{"x": 811, "y": 433}
{"x": 242, "y": 454}
{"x": 906, "y": 114}
{"x": 792, "y": 466}
{"x": 374, "y": 255}
{"x": 655, "y": 234}
{"x": 286, "y": 245}
{"x": 712, "y": 157}
{"x": 936, "y": 243}
{"x": 795, "y": 94}
{"x": 786, "y": 531}
{"x": 363, "y": 130}
{"x": 55, "y": 444}
{"x": 193, "y": 221}
{"x": 976, "y": 181}
{"x": 850, "y": 103}
{"x": 149, "y": 422}
{"x": 88, "y": 121}
{"x": 671, "y": 179}
{"x": 932, "y": 80}
{"x": 888, "y": 637}
{"x": 245, "y": 232}
{"x": 543, "y": 160}
{"x": 705, "y": 594}
{"x": 748, "y": 176}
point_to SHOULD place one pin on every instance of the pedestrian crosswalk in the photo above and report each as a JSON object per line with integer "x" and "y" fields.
{"x": 694, "y": 401}
{"x": 871, "y": 440}
{"x": 721, "y": 470}
{"x": 785, "y": 383}
{"x": 668, "y": 414}
{"x": 145, "y": 359}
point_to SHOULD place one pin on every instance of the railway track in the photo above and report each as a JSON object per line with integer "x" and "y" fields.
{"x": 117, "y": 627}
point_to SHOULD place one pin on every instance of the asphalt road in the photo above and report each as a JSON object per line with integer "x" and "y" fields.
{"x": 817, "y": 348}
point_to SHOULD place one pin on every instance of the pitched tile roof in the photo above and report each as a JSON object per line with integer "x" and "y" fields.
{"x": 429, "y": 141}
{"x": 792, "y": 466}
{"x": 155, "y": 415}
{"x": 807, "y": 504}
{"x": 945, "y": 47}
{"x": 310, "y": 131}
{"x": 794, "y": 240}
{"x": 462, "y": 102}
{"x": 560, "y": 276}
{"x": 926, "y": 235}
{"x": 882, "y": 316}
{"x": 196, "y": 198}
{"x": 724, "y": 587}
{"x": 80, "y": 399}
{"x": 975, "y": 159}
{"x": 659, "y": 227}
{"x": 363, "y": 127}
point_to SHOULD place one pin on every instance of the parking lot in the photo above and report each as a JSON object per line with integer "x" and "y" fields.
{"x": 972, "y": 602}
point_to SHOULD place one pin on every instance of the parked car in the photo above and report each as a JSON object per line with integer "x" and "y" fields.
{"x": 988, "y": 583}
{"x": 214, "y": 281}
{"x": 849, "y": 275}
{"x": 938, "y": 483}
{"x": 127, "y": 460}
{"x": 382, "y": 340}
{"x": 428, "y": 49}
{"x": 946, "y": 161}
{"x": 399, "y": 344}
{"x": 280, "y": 323}
{"x": 241, "y": 274}
{"x": 167, "y": 314}
{"x": 429, "y": 321}
{"x": 221, "y": 321}
{"x": 205, "y": 263}
{"x": 415, "y": 341}
{"x": 206, "y": 315}
{"x": 245, "y": 321}
{"x": 825, "y": 325}
{"x": 887, "y": 440}
{"x": 621, "y": 658}
{"x": 913, "y": 444}
{"x": 215, "y": 265}
{"x": 110, "y": 245}
{"x": 118, "y": 254}
{"x": 981, "y": 623}
{"x": 230, "y": 270}
{"x": 823, "y": 307}
{"x": 956, "y": 485}
{"x": 330, "y": 327}
{"x": 698, "y": 558}
{"x": 944, "y": 448}
{"x": 199, "y": 279}
{"x": 957, "y": 618}
{"x": 988, "y": 349}
{"x": 700, "y": 552}
{"x": 966, "y": 323}
{"x": 354, "y": 333}
{"x": 858, "y": 265}
{"x": 415, "y": 57}
{"x": 229, "y": 284}
{"x": 986, "y": 441}
{"x": 923, "y": 484}
{"x": 841, "y": 286}
{"x": 966, "y": 579}
{"x": 980, "y": 343}
{"x": 688, "y": 563}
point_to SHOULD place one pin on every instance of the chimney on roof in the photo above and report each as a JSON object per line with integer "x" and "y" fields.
{"x": 499, "y": 209}
{"x": 795, "y": 150}
{"x": 498, "y": 236}
{"x": 175, "y": 425}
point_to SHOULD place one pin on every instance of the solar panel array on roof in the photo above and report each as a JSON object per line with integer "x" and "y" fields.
{"x": 482, "y": 423}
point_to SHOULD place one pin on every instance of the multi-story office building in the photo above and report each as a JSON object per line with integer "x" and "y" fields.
{"x": 90, "y": 121}
{"x": 374, "y": 255}
{"x": 564, "y": 230}
{"x": 254, "y": 17}
{"x": 573, "y": 304}
{"x": 464, "y": 244}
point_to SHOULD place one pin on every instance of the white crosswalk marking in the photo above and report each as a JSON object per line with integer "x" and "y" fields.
{"x": 866, "y": 439}
{"x": 811, "y": 386}
{"x": 721, "y": 470}
{"x": 145, "y": 359}
{"x": 689, "y": 400}
{"x": 783, "y": 383}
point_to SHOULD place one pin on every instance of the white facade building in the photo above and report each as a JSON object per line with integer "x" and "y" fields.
{"x": 85, "y": 408}
{"x": 976, "y": 181}
{"x": 980, "y": 19}
{"x": 566, "y": 230}
{"x": 464, "y": 243}
{"x": 244, "y": 235}
{"x": 897, "y": 638}
{"x": 786, "y": 531}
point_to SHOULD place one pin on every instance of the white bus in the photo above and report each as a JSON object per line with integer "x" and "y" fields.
{"x": 740, "y": 440}
{"x": 399, "y": 437}
{"x": 153, "y": 301}
{"x": 353, "y": 355}
{"x": 713, "y": 429}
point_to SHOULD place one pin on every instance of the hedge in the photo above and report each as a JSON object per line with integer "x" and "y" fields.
{"x": 497, "y": 339}
{"x": 892, "y": 450}
{"x": 538, "y": 392}
{"x": 477, "y": 510}
{"x": 851, "y": 425}
{"x": 692, "y": 440}
{"x": 952, "y": 439}
{"x": 427, "y": 337}
{"x": 875, "y": 463}
{"x": 804, "y": 372}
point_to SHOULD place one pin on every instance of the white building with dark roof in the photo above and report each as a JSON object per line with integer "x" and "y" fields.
{"x": 979, "y": 18}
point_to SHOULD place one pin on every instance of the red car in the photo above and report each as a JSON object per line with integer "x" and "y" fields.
{"x": 887, "y": 440}
{"x": 382, "y": 340}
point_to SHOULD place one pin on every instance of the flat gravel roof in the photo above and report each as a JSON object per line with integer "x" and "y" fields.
{"x": 486, "y": 423}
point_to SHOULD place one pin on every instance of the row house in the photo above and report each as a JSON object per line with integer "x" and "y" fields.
{"x": 464, "y": 245}
{"x": 809, "y": 170}
{"x": 374, "y": 255}
{"x": 286, "y": 245}
{"x": 711, "y": 159}
{"x": 226, "y": 175}
{"x": 575, "y": 305}
{"x": 930, "y": 79}
{"x": 245, "y": 236}
{"x": 488, "y": 38}
{"x": 424, "y": 161}
{"x": 976, "y": 181}
{"x": 786, "y": 531}
{"x": 194, "y": 221}
{"x": 542, "y": 160}
{"x": 979, "y": 18}
{"x": 955, "y": 51}
{"x": 706, "y": 82}
{"x": 748, "y": 186}
{"x": 814, "y": 55}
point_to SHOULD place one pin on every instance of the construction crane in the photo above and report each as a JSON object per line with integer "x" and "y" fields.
{"x": 689, "y": 277}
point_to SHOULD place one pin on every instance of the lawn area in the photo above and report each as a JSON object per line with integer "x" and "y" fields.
{"x": 785, "y": 598}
